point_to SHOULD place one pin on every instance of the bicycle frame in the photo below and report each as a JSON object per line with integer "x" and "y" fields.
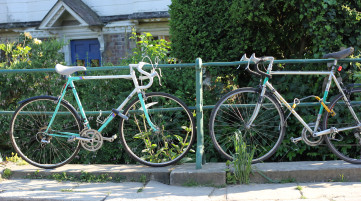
{"x": 70, "y": 84}
{"x": 314, "y": 132}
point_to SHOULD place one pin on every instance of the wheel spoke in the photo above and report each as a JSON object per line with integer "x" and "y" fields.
{"x": 165, "y": 146}
{"x": 28, "y": 130}
{"x": 346, "y": 144}
{"x": 232, "y": 114}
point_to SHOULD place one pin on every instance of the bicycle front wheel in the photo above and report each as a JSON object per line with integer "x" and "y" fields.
{"x": 345, "y": 144}
{"x": 28, "y": 137}
{"x": 231, "y": 116}
{"x": 173, "y": 138}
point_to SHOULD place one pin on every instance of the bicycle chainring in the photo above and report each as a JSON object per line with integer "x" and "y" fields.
{"x": 96, "y": 139}
{"x": 309, "y": 139}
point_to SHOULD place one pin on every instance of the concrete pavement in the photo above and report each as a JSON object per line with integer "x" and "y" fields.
{"x": 317, "y": 180}
{"x": 50, "y": 190}
{"x": 210, "y": 174}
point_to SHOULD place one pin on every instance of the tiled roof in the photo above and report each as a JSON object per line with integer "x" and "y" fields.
{"x": 83, "y": 10}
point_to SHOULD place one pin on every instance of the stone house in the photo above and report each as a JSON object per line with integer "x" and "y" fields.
{"x": 96, "y": 31}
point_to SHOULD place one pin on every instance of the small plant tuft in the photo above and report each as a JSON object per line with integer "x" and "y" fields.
{"x": 342, "y": 178}
{"x": 143, "y": 178}
{"x": 16, "y": 159}
{"x": 242, "y": 161}
{"x": 7, "y": 173}
{"x": 67, "y": 190}
{"x": 190, "y": 183}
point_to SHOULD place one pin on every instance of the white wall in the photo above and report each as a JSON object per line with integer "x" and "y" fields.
{"x": 35, "y": 10}
{"x": 24, "y": 10}
{"x": 122, "y": 7}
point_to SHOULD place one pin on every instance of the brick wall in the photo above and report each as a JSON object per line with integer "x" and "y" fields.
{"x": 116, "y": 47}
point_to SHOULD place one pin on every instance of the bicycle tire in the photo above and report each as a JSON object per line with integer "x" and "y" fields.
{"x": 346, "y": 144}
{"x": 166, "y": 146}
{"x": 29, "y": 122}
{"x": 229, "y": 117}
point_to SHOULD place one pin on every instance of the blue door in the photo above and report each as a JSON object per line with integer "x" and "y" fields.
{"x": 85, "y": 52}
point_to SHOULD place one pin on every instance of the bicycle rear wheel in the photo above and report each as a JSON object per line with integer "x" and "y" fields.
{"x": 345, "y": 144}
{"x": 233, "y": 112}
{"x": 27, "y": 132}
{"x": 170, "y": 143}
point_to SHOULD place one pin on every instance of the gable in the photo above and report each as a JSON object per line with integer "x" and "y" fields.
{"x": 70, "y": 13}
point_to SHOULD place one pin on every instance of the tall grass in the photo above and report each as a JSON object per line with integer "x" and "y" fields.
{"x": 242, "y": 159}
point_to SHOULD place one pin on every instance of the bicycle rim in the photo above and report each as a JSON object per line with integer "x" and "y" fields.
{"x": 167, "y": 145}
{"x": 345, "y": 144}
{"x": 27, "y": 129}
{"x": 233, "y": 112}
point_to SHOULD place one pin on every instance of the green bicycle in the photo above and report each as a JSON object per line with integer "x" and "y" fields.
{"x": 156, "y": 129}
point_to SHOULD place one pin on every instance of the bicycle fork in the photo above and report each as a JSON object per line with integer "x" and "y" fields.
{"x": 145, "y": 110}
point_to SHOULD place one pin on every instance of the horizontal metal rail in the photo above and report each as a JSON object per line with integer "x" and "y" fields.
{"x": 182, "y": 65}
{"x": 206, "y": 107}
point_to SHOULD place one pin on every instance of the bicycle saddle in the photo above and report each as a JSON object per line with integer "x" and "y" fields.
{"x": 340, "y": 54}
{"x": 67, "y": 70}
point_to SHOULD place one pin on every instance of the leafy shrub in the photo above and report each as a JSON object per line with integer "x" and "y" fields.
{"x": 221, "y": 30}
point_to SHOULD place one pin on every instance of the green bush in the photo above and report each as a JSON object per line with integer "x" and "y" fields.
{"x": 221, "y": 30}
{"x": 27, "y": 53}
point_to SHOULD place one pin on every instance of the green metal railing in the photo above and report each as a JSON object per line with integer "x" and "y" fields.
{"x": 199, "y": 107}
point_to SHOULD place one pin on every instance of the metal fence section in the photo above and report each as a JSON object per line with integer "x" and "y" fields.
{"x": 199, "y": 66}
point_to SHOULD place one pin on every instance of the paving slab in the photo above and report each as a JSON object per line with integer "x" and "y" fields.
{"x": 210, "y": 174}
{"x": 51, "y": 196}
{"x": 35, "y": 185}
{"x": 159, "y": 191}
{"x": 332, "y": 191}
{"x": 50, "y": 190}
{"x": 306, "y": 171}
{"x": 124, "y": 190}
{"x": 263, "y": 192}
{"x": 127, "y": 172}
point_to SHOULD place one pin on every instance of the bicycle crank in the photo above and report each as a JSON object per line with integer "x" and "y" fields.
{"x": 308, "y": 138}
{"x": 93, "y": 141}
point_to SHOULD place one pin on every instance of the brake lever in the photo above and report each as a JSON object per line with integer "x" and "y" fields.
{"x": 257, "y": 61}
{"x": 244, "y": 58}
{"x": 157, "y": 74}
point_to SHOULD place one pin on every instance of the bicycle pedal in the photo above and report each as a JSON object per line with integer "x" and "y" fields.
{"x": 295, "y": 140}
{"x": 117, "y": 112}
{"x": 110, "y": 139}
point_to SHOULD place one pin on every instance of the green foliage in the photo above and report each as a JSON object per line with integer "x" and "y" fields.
{"x": 83, "y": 177}
{"x": 26, "y": 53}
{"x": 16, "y": 159}
{"x": 146, "y": 45}
{"x": 7, "y": 173}
{"x": 174, "y": 145}
{"x": 224, "y": 30}
{"x": 242, "y": 162}
{"x": 190, "y": 183}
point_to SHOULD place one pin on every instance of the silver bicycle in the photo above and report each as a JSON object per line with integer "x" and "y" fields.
{"x": 258, "y": 115}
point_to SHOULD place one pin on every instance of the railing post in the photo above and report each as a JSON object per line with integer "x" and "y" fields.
{"x": 199, "y": 114}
